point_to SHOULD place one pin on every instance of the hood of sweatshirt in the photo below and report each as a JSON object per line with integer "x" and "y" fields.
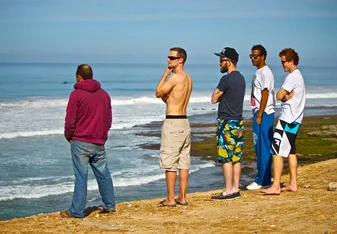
{"x": 89, "y": 85}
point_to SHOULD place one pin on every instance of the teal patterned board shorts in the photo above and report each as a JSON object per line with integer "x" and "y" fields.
{"x": 230, "y": 138}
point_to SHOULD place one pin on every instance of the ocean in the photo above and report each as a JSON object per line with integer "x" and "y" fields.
{"x": 36, "y": 174}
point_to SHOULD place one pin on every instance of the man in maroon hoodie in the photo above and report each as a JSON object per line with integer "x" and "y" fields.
{"x": 88, "y": 120}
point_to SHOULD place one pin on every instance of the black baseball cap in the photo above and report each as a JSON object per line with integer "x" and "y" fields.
{"x": 229, "y": 53}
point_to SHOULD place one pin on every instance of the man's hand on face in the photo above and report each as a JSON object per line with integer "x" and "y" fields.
{"x": 168, "y": 71}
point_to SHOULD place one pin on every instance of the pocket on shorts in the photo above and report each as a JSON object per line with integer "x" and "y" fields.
{"x": 166, "y": 156}
{"x": 171, "y": 147}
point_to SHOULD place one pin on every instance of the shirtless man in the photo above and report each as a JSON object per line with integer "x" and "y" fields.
{"x": 176, "y": 132}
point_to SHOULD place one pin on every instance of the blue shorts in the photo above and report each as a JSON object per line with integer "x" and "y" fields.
{"x": 230, "y": 139}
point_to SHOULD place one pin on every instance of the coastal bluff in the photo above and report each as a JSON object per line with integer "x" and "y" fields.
{"x": 313, "y": 209}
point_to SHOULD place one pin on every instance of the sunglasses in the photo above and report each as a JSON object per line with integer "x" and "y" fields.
{"x": 172, "y": 57}
{"x": 224, "y": 60}
{"x": 283, "y": 62}
{"x": 254, "y": 56}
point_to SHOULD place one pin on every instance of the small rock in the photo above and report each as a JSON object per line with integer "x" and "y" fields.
{"x": 273, "y": 225}
{"x": 332, "y": 186}
{"x": 321, "y": 217}
{"x": 307, "y": 186}
{"x": 130, "y": 205}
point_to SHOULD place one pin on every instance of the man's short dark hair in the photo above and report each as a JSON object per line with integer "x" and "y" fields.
{"x": 180, "y": 52}
{"x": 85, "y": 71}
{"x": 262, "y": 50}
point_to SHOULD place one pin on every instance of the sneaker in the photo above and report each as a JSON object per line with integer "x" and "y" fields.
{"x": 221, "y": 196}
{"x": 254, "y": 186}
{"x": 236, "y": 195}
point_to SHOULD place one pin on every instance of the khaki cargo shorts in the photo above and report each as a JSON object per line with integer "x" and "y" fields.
{"x": 175, "y": 145}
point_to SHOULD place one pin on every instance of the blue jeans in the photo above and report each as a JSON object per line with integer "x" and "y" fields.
{"x": 262, "y": 137}
{"x": 82, "y": 154}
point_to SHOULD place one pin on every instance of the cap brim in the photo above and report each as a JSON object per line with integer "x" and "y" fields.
{"x": 219, "y": 54}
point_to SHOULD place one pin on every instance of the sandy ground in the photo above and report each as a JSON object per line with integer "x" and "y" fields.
{"x": 313, "y": 209}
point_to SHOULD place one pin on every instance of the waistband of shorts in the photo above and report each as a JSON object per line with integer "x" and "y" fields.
{"x": 176, "y": 117}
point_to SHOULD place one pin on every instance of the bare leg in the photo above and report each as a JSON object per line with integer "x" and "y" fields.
{"x": 292, "y": 161}
{"x": 170, "y": 183}
{"x": 275, "y": 188}
{"x": 236, "y": 177}
{"x": 183, "y": 181}
{"x": 228, "y": 174}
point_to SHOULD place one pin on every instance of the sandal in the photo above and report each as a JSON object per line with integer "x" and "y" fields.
{"x": 162, "y": 204}
{"x": 101, "y": 210}
{"x": 181, "y": 203}
{"x": 66, "y": 214}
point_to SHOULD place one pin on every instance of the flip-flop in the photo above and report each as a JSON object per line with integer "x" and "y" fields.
{"x": 181, "y": 203}
{"x": 162, "y": 204}
{"x": 66, "y": 214}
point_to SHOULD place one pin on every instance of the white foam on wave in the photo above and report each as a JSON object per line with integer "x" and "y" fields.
{"x": 320, "y": 95}
{"x": 34, "y": 191}
{"x": 39, "y": 179}
{"x": 39, "y": 117}
{"x": 115, "y": 126}
{"x": 127, "y": 148}
{"x": 154, "y": 155}
{"x": 28, "y": 191}
{"x": 115, "y": 101}
{"x": 140, "y": 120}
{"x": 143, "y": 100}
{"x": 326, "y": 105}
{"x": 10, "y": 135}
{"x": 35, "y": 103}
{"x": 134, "y": 181}
{"x": 208, "y": 164}
{"x": 149, "y": 100}
{"x": 132, "y": 101}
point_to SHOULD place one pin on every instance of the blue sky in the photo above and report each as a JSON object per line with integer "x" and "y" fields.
{"x": 144, "y": 30}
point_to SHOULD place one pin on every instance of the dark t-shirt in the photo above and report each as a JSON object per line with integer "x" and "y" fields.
{"x": 231, "y": 103}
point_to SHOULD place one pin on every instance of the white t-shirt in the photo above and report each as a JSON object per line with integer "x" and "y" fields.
{"x": 292, "y": 110}
{"x": 263, "y": 79}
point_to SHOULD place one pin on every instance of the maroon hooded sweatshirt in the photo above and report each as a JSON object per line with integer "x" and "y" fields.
{"x": 89, "y": 114}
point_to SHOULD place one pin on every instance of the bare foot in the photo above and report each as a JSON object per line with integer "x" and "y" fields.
{"x": 271, "y": 191}
{"x": 289, "y": 188}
